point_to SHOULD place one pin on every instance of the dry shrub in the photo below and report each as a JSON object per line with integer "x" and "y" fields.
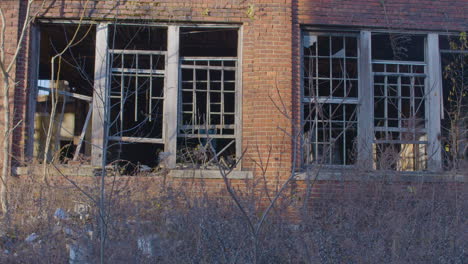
{"x": 388, "y": 222}
{"x": 349, "y": 222}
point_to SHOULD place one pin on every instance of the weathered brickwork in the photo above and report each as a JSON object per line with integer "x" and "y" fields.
{"x": 267, "y": 60}
{"x": 429, "y": 14}
{"x": 11, "y": 9}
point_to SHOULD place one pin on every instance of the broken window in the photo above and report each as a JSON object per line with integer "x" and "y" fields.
{"x": 392, "y": 86}
{"x": 330, "y": 98}
{"x": 64, "y": 95}
{"x": 207, "y": 97}
{"x": 399, "y": 77}
{"x": 137, "y": 73}
{"x": 454, "y": 119}
{"x": 130, "y": 62}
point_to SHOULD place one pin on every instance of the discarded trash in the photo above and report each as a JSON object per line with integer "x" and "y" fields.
{"x": 61, "y": 214}
{"x": 31, "y": 238}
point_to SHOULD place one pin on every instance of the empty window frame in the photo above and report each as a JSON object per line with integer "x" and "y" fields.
{"x": 137, "y": 95}
{"x": 208, "y": 97}
{"x": 137, "y": 63}
{"x": 400, "y": 116}
{"x": 330, "y": 98}
{"x": 61, "y": 101}
{"x": 208, "y": 94}
{"x": 127, "y": 98}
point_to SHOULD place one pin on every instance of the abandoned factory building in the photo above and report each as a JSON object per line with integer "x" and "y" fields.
{"x": 270, "y": 87}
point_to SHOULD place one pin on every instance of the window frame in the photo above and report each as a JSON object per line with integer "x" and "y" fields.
{"x": 173, "y": 92}
{"x": 328, "y": 100}
{"x": 447, "y": 155}
{"x": 365, "y": 135}
{"x": 101, "y": 92}
{"x": 172, "y": 99}
{"x": 128, "y": 72}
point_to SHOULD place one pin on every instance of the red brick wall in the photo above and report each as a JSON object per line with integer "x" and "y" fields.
{"x": 415, "y": 14}
{"x": 21, "y": 90}
{"x": 11, "y": 9}
{"x": 267, "y": 61}
{"x": 271, "y": 31}
{"x": 267, "y": 89}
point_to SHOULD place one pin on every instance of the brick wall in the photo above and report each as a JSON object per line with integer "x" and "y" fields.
{"x": 10, "y": 9}
{"x": 267, "y": 60}
{"x": 410, "y": 14}
{"x": 271, "y": 30}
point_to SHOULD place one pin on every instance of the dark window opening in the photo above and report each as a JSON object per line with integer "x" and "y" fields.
{"x": 136, "y": 95}
{"x": 198, "y": 152}
{"x": 212, "y": 42}
{"x": 134, "y": 98}
{"x": 134, "y": 158}
{"x": 69, "y": 83}
{"x": 207, "y": 98}
{"x": 330, "y": 97}
{"x": 400, "y": 114}
{"x": 137, "y": 98}
{"x": 138, "y": 37}
{"x": 452, "y": 44}
{"x": 454, "y": 123}
{"x": 401, "y": 47}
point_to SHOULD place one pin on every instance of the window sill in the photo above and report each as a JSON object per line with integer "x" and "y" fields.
{"x": 210, "y": 174}
{"x": 349, "y": 175}
{"x": 87, "y": 170}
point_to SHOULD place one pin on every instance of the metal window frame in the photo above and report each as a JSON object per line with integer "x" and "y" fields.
{"x": 102, "y": 87}
{"x": 399, "y": 96}
{"x": 418, "y": 157}
{"x": 433, "y": 86}
{"x": 173, "y": 107}
{"x": 194, "y": 90}
{"x": 433, "y": 90}
{"x": 330, "y": 100}
{"x": 138, "y": 73}
{"x": 222, "y": 113}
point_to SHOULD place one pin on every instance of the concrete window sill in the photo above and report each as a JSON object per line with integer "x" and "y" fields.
{"x": 86, "y": 170}
{"x": 389, "y": 176}
{"x": 210, "y": 174}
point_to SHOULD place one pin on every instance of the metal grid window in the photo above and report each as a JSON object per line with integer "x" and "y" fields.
{"x": 330, "y": 98}
{"x": 208, "y": 101}
{"x": 400, "y": 115}
{"x": 137, "y": 96}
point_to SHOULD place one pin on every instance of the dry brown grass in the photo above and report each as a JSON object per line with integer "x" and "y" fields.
{"x": 361, "y": 222}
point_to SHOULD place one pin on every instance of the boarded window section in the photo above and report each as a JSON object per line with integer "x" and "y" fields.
{"x": 399, "y": 115}
{"x": 137, "y": 96}
{"x": 330, "y": 98}
{"x": 207, "y": 114}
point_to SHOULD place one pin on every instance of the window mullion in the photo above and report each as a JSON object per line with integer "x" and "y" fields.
{"x": 100, "y": 103}
{"x": 433, "y": 101}
{"x": 366, "y": 102}
{"x": 171, "y": 95}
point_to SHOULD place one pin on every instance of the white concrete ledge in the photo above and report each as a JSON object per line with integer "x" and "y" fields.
{"x": 325, "y": 174}
{"x": 72, "y": 170}
{"x": 209, "y": 174}
{"x": 87, "y": 170}
{"x": 389, "y": 176}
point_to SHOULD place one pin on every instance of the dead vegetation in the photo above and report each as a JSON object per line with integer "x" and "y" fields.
{"x": 361, "y": 222}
